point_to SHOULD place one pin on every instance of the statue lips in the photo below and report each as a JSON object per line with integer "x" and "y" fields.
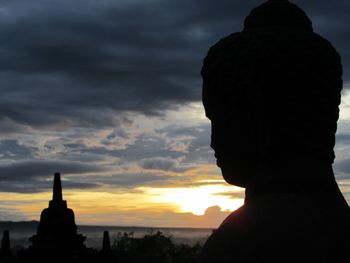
{"x": 217, "y": 159}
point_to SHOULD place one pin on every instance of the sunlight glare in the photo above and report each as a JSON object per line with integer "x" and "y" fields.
{"x": 197, "y": 200}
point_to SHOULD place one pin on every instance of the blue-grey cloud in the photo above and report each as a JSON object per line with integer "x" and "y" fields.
{"x": 26, "y": 170}
{"x": 69, "y": 61}
{"x": 86, "y": 63}
{"x": 343, "y": 138}
{"x": 10, "y": 149}
{"x": 34, "y": 185}
{"x": 159, "y": 163}
{"x": 199, "y": 148}
{"x": 133, "y": 180}
{"x": 32, "y": 176}
{"x": 342, "y": 169}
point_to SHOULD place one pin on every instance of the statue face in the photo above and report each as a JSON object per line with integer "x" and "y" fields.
{"x": 272, "y": 93}
{"x": 235, "y": 142}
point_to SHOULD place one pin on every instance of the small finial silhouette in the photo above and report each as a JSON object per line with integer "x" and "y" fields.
{"x": 106, "y": 245}
{"x": 57, "y": 188}
{"x": 5, "y": 244}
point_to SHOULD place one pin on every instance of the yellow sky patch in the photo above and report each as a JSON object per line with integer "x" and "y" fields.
{"x": 144, "y": 204}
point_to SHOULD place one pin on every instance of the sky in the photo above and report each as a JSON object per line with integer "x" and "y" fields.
{"x": 109, "y": 94}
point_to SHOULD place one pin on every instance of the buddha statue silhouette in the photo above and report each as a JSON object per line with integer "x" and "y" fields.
{"x": 272, "y": 94}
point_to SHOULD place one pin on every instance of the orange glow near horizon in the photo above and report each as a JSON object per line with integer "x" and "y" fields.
{"x": 197, "y": 200}
{"x": 141, "y": 206}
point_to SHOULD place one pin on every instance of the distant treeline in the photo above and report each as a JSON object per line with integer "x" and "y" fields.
{"x": 155, "y": 247}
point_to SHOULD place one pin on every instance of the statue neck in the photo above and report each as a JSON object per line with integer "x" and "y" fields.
{"x": 292, "y": 179}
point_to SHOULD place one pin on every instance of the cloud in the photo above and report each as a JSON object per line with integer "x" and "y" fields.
{"x": 233, "y": 194}
{"x": 77, "y": 62}
{"x": 343, "y": 138}
{"x": 159, "y": 143}
{"x": 342, "y": 169}
{"x": 104, "y": 61}
{"x": 166, "y": 164}
{"x": 196, "y": 138}
{"x": 24, "y": 170}
{"x": 133, "y": 180}
{"x": 345, "y": 188}
{"x": 146, "y": 161}
{"x": 8, "y": 127}
{"x": 159, "y": 163}
{"x": 160, "y": 218}
{"x": 29, "y": 186}
{"x": 31, "y": 176}
{"x": 82, "y": 81}
{"x": 11, "y": 214}
{"x": 11, "y": 149}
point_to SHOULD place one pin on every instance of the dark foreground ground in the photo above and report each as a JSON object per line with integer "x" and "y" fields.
{"x": 155, "y": 247}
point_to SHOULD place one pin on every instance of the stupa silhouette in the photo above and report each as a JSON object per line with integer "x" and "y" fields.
{"x": 106, "y": 255}
{"x": 5, "y": 243}
{"x": 6, "y": 255}
{"x": 57, "y": 238}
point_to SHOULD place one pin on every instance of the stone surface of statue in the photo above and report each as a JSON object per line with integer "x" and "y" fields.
{"x": 272, "y": 94}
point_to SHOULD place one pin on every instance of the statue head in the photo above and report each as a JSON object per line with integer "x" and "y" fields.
{"x": 272, "y": 93}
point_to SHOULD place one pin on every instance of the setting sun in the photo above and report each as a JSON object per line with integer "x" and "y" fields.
{"x": 197, "y": 200}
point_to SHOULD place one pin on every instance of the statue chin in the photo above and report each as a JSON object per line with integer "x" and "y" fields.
{"x": 235, "y": 175}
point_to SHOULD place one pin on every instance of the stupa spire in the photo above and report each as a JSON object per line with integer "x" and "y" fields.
{"x": 5, "y": 244}
{"x": 57, "y": 188}
{"x": 106, "y": 245}
{"x": 57, "y": 232}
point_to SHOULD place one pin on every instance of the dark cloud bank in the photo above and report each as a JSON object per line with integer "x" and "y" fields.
{"x": 31, "y": 175}
{"x": 70, "y": 60}
{"x": 84, "y": 63}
